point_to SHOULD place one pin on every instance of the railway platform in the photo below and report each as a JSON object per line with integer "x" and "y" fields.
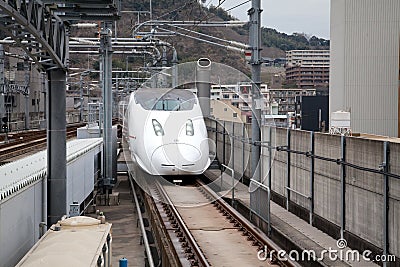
{"x": 126, "y": 233}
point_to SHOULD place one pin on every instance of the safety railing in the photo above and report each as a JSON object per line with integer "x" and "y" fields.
{"x": 233, "y": 181}
{"x": 268, "y": 190}
{"x": 142, "y": 227}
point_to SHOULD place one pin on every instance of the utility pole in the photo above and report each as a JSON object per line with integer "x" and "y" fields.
{"x": 256, "y": 196}
{"x": 255, "y": 44}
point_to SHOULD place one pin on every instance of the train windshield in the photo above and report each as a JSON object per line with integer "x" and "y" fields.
{"x": 165, "y": 100}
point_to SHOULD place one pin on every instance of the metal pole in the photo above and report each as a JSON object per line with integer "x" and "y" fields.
{"x": 270, "y": 158}
{"x": 26, "y": 93}
{"x": 216, "y": 139}
{"x": 44, "y": 88}
{"x": 343, "y": 187}
{"x": 233, "y": 180}
{"x": 223, "y": 143}
{"x": 232, "y": 156}
{"x": 2, "y": 83}
{"x": 43, "y": 226}
{"x": 174, "y": 68}
{"x": 56, "y": 147}
{"x": 151, "y": 11}
{"x": 255, "y": 43}
{"x": 288, "y": 171}
{"x": 26, "y": 96}
{"x": 243, "y": 152}
{"x": 80, "y": 98}
{"x": 3, "y": 107}
{"x": 203, "y": 72}
{"x": 386, "y": 168}
{"x": 312, "y": 161}
{"x": 106, "y": 49}
{"x": 3, "y": 111}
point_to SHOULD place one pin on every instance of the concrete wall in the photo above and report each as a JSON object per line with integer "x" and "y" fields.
{"x": 327, "y": 178}
{"x": 364, "y": 190}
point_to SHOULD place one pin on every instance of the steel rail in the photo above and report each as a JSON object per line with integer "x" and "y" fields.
{"x": 36, "y": 140}
{"x": 202, "y": 261}
{"x": 248, "y": 227}
{"x": 142, "y": 228}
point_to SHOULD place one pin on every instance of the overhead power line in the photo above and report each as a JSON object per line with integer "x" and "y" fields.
{"x": 241, "y": 4}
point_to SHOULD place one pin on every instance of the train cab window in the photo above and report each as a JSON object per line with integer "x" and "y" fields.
{"x": 171, "y": 104}
{"x": 165, "y": 99}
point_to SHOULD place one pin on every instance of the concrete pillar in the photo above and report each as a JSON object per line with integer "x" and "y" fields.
{"x": 56, "y": 146}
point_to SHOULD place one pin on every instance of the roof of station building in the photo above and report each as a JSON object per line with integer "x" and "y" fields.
{"x": 17, "y": 175}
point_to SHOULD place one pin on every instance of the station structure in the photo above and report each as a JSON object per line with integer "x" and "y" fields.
{"x": 296, "y": 192}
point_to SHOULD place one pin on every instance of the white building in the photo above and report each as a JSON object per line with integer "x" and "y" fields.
{"x": 364, "y": 71}
{"x": 308, "y": 58}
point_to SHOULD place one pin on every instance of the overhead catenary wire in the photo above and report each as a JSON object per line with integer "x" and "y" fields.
{"x": 245, "y": 2}
{"x": 242, "y": 45}
{"x": 229, "y": 47}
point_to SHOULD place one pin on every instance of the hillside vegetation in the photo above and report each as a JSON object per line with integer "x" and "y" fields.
{"x": 274, "y": 43}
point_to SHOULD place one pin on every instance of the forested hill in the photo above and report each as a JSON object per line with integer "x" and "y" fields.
{"x": 282, "y": 41}
{"x": 274, "y": 43}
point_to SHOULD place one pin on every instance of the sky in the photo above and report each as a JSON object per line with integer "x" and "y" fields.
{"x": 288, "y": 16}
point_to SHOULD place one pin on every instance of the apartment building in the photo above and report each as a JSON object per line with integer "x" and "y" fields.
{"x": 308, "y": 68}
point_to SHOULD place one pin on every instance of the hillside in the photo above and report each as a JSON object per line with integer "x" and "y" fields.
{"x": 274, "y": 43}
{"x": 272, "y": 39}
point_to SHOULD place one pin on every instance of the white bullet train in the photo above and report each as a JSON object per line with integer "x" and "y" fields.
{"x": 166, "y": 132}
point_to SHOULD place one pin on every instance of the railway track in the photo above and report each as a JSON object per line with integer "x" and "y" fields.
{"x": 28, "y": 142}
{"x": 22, "y": 143}
{"x": 205, "y": 231}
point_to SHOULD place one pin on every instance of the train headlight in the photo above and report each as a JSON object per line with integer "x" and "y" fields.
{"x": 189, "y": 128}
{"x": 158, "y": 130}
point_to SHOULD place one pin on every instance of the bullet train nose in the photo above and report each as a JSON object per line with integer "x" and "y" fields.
{"x": 177, "y": 159}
